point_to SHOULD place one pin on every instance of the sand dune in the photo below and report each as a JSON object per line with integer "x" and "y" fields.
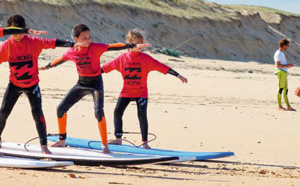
{"x": 212, "y": 31}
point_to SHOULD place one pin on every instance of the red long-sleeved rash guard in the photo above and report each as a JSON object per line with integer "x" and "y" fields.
{"x": 134, "y": 67}
{"x": 1, "y": 32}
{"x": 23, "y": 58}
{"x": 87, "y": 60}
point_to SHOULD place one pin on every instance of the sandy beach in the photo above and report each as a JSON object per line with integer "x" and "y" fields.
{"x": 226, "y": 106}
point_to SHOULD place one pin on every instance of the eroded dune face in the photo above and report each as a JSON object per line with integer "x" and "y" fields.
{"x": 220, "y": 33}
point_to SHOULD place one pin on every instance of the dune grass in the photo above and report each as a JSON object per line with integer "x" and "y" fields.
{"x": 180, "y": 8}
{"x": 260, "y": 9}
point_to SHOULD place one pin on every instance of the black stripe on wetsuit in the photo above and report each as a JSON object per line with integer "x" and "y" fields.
{"x": 33, "y": 93}
{"x": 173, "y": 72}
{"x": 56, "y": 64}
{"x": 126, "y": 46}
{"x": 64, "y": 43}
{"x": 58, "y": 42}
{"x": 85, "y": 86}
{"x": 71, "y": 44}
{"x": 10, "y": 31}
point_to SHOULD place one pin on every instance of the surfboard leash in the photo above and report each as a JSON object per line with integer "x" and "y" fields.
{"x": 151, "y": 134}
{"x": 154, "y": 138}
{"x": 49, "y": 134}
{"x": 28, "y": 142}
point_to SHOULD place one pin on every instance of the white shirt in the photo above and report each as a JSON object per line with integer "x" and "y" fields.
{"x": 279, "y": 56}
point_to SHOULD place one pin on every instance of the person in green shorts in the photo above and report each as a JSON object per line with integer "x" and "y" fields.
{"x": 282, "y": 73}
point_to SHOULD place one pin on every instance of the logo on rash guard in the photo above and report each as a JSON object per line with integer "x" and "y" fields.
{"x": 20, "y": 58}
{"x": 132, "y": 73}
{"x": 133, "y": 76}
{"x": 36, "y": 91}
{"x": 142, "y": 101}
{"x": 84, "y": 62}
{"x": 22, "y": 68}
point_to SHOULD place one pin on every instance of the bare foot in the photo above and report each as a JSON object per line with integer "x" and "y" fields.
{"x": 146, "y": 146}
{"x": 117, "y": 141}
{"x": 105, "y": 149}
{"x": 45, "y": 149}
{"x": 291, "y": 109}
{"x": 281, "y": 108}
{"x": 60, "y": 143}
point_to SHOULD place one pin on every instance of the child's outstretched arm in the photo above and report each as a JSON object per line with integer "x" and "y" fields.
{"x": 37, "y": 32}
{"x": 158, "y": 66}
{"x": 66, "y": 43}
{"x": 17, "y": 30}
{"x": 121, "y": 46}
{"x": 56, "y": 62}
{"x": 176, "y": 74}
{"x": 112, "y": 65}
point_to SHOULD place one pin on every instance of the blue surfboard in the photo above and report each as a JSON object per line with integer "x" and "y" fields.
{"x": 90, "y": 144}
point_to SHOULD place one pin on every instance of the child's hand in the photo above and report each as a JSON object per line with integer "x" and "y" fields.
{"x": 79, "y": 45}
{"x": 140, "y": 46}
{"x": 183, "y": 79}
{"x": 42, "y": 68}
{"x": 290, "y": 65}
{"x": 37, "y": 32}
{"x": 85, "y": 44}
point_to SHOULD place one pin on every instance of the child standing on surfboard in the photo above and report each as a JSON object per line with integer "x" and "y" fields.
{"x": 21, "y": 52}
{"x": 134, "y": 66}
{"x": 16, "y": 30}
{"x": 87, "y": 60}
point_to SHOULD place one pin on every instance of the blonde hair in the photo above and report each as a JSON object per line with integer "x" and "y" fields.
{"x": 135, "y": 36}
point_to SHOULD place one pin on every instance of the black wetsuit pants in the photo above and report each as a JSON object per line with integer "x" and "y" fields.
{"x": 85, "y": 86}
{"x": 33, "y": 93}
{"x": 142, "y": 115}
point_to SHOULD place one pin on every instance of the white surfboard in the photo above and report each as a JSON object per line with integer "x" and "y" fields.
{"x": 81, "y": 156}
{"x": 14, "y": 162}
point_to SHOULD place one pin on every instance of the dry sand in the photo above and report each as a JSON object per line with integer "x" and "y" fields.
{"x": 226, "y": 106}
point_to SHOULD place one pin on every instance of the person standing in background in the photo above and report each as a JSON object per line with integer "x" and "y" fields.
{"x": 282, "y": 72}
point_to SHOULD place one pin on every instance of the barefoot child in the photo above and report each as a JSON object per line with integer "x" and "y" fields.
{"x": 134, "y": 66}
{"x": 87, "y": 60}
{"x": 21, "y": 52}
{"x": 282, "y": 72}
{"x": 15, "y": 30}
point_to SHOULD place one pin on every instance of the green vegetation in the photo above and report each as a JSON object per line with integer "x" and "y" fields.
{"x": 179, "y": 8}
{"x": 260, "y": 9}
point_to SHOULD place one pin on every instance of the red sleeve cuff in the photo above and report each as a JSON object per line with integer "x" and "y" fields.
{"x": 1, "y": 32}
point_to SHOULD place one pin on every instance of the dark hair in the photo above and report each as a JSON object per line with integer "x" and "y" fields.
{"x": 17, "y": 21}
{"x": 283, "y": 42}
{"x": 78, "y": 29}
